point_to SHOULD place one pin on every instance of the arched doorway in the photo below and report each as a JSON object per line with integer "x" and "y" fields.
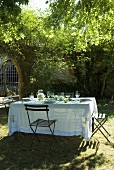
{"x": 8, "y": 77}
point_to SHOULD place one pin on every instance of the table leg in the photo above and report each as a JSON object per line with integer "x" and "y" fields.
{"x": 93, "y": 124}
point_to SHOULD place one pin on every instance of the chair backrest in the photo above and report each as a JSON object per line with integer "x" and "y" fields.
{"x": 36, "y": 107}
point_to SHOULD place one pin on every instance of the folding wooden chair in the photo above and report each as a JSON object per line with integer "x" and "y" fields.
{"x": 39, "y": 122}
{"x": 98, "y": 124}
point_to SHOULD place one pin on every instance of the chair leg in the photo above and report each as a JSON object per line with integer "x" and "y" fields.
{"x": 104, "y": 135}
{"x": 52, "y": 131}
{"x": 98, "y": 128}
{"x": 6, "y": 109}
{"x": 93, "y": 128}
{"x": 34, "y": 132}
{"x": 101, "y": 125}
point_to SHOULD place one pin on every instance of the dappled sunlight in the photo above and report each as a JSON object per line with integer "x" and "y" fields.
{"x": 86, "y": 162}
{"x": 67, "y": 153}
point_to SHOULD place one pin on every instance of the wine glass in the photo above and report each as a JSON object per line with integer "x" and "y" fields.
{"x": 62, "y": 94}
{"x": 32, "y": 96}
{"x": 67, "y": 95}
{"x": 52, "y": 95}
{"x": 77, "y": 94}
{"x": 48, "y": 94}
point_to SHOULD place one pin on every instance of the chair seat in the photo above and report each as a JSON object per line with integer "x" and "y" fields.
{"x": 42, "y": 123}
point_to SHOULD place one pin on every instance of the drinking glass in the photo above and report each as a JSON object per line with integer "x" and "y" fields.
{"x": 52, "y": 95}
{"x": 32, "y": 96}
{"x": 77, "y": 94}
{"x": 48, "y": 94}
{"x": 62, "y": 94}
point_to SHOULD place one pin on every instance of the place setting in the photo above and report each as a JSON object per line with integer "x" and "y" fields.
{"x": 51, "y": 98}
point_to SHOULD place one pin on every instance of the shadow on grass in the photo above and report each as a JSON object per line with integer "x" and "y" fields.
{"x": 68, "y": 153}
{"x": 3, "y": 116}
{"x": 47, "y": 154}
{"x": 91, "y": 162}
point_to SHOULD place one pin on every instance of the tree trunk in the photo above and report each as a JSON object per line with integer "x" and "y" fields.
{"x": 103, "y": 87}
{"x": 23, "y": 80}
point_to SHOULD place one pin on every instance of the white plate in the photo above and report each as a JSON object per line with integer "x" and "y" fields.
{"x": 26, "y": 99}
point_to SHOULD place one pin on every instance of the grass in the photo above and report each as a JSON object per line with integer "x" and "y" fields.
{"x": 69, "y": 153}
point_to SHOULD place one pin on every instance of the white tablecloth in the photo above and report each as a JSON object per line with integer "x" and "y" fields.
{"x": 73, "y": 118}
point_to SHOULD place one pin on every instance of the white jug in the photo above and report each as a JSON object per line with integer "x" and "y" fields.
{"x": 40, "y": 94}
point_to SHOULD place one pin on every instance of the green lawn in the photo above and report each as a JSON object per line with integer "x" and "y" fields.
{"x": 69, "y": 153}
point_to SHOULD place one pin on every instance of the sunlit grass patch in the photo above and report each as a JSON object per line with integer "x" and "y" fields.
{"x": 65, "y": 154}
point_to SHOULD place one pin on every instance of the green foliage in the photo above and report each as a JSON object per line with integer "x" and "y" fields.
{"x": 10, "y": 8}
{"x": 73, "y": 35}
{"x": 90, "y": 21}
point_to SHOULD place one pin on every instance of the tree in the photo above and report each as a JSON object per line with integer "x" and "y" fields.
{"x": 92, "y": 20}
{"x": 9, "y": 9}
{"x": 33, "y": 48}
{"x": 17, "y": 43}
{"x": 78, "y": 33}
{"x": 91, "y": 25}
